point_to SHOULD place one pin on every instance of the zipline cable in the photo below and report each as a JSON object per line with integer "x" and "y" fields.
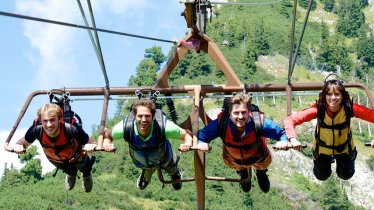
{"x": 292, "y": 40}
{"x": 299, "y": 42}
{"x": 82, "y": 27}
{"x": 96, "y": 42}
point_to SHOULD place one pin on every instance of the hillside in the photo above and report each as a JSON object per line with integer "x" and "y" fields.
{"x": 293, "y": 185}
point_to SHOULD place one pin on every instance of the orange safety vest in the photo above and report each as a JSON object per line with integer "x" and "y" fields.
{"x": 64, "y": 148}
{"x": 244, "y": 147}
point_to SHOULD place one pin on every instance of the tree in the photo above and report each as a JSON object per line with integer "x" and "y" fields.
{"x": 328, "y": 5}
{"x": 285, "y": 8}
{"x": 325, "y": 33}
{"x": 250, "y": 59}
{"x": 199, "y": 65}
{"x": 156, "y": 54}
{"x": 11, "y": 178}
{"x": 333, "y": 56}
{"x": 351, "y": 17}
{"x": 260, "y": 42}
{"x": 365, "y": 48}
{"x": 32, "y": 171}
{"x": 146, "y": 73}
{"x": 305, "y": 3}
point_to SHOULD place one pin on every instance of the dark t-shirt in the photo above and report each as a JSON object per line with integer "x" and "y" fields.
{"x": 77, "y": 131}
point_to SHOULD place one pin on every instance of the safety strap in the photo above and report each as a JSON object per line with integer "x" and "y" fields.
{"x": 223, "y": 123}
{"x": 321, "y": 111}
{"x": 128, "y": 127}
{"x": 159, "y": 126}
{"x": 70, "y": 141}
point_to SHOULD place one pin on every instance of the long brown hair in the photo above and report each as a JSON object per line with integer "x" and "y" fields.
{"x": 334, "y": 84}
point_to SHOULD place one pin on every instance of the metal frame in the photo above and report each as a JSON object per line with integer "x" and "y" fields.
{"x": 233, "y": 84}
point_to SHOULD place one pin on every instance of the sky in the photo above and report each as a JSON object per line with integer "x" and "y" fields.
{"x": 42, "y": 56}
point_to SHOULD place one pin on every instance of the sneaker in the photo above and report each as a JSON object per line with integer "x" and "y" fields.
{"x": 70, "y": 181}
{"x": 87, "y": 183}
{"x": 176, "y": 176}
{"x": 263, "y": 180}
{"x": 141, "y": 182}
{"x": 246, "y": 186}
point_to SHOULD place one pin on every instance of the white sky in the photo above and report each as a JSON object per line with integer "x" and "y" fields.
{"x": 42, "y": 56}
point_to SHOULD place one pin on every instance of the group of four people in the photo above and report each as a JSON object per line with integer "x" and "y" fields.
{"x": 243, "y": 132}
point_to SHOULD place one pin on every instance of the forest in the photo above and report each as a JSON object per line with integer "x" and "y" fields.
{"x": 255, "y": 41}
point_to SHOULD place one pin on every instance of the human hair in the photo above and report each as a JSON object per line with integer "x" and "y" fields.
{"x": 238, "y": 99}
{"x": 333, "y": 84}
{"x": 52, "y": 110}
{"x": 146, "y": 103}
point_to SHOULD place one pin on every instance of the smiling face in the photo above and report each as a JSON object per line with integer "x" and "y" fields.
{"x": 144, "y": 120}
{"x": 333, "y": 95}
{"x": 50, "y": 115}
{"x": 334, "y": 99}
{"x": 50, "y": 124}
{"x": 239, "y": 115}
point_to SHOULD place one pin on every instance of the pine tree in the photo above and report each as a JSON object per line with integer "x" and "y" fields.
{"x": 156, "y": 54}
{"x": 261, "y": 43}
{"x": 325, "y": 33}
{"x": 32, "y": 171}
{"x": 305, "y": 3}
{"x": 250, "y": 59}
{"x": 365, "y": 48}
{"x": 285, "y": 8}
{"x": 328, "y": 5}
{"x": 333, "y": 56}
{"x": 351, "y": 17}
{"x": 146, "y": 71}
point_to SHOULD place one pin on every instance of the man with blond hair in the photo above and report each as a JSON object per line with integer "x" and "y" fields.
{"x": 62, "y": 144}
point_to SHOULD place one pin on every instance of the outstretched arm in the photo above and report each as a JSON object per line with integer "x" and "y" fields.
{"x": 108, "y": 139}
{"x": 187, "y": 137}
{"x": 291, "y": 121}
{"x": 21, "y": 145}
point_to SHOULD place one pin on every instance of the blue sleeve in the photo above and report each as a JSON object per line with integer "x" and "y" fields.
{"x": 273, "y": 131}
{"x": 209, "y": 132}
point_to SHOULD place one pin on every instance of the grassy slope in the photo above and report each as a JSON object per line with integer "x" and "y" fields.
{"x": 115, "y": 176}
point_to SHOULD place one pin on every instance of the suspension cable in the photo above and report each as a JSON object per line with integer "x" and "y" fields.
{"x": 300, "y": 40}
{"x": 82, "y": 27}
{"x": 292, "y": 40}
{"x": 96, "y": 45}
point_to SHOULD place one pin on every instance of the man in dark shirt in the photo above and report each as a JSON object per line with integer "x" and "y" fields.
{"x": 62, "y": 144}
